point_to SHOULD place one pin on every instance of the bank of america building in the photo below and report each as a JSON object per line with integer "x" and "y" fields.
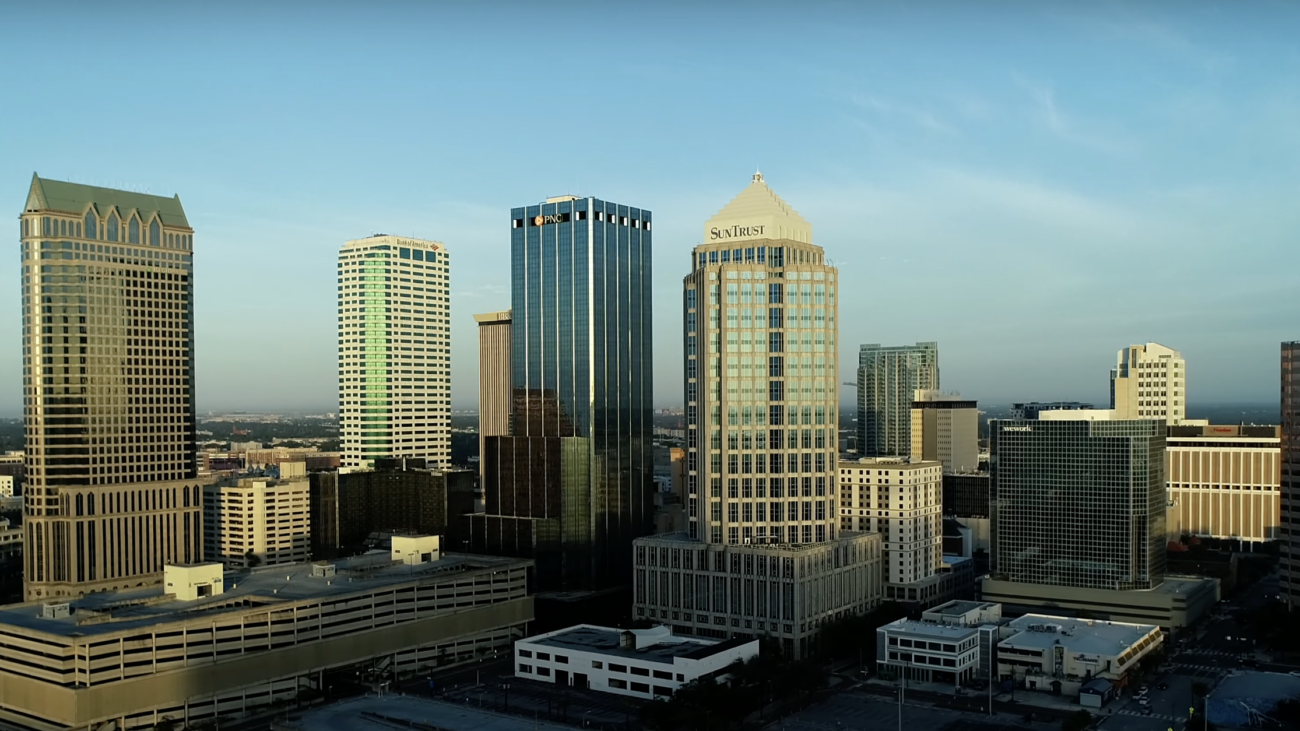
{"x": 763, "y": 553}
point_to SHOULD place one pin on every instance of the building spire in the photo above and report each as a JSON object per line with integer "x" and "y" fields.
{"x": 758, "y": 176}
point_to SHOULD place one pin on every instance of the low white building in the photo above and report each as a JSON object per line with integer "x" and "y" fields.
{"x": 649, "y": 663}
{"x": 952, "y": 643}
{"x": 1061, "y": 654}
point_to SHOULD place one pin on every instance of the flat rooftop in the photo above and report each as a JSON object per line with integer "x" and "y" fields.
{"x": 112, "y": 612}
{"x": 930, "y": 629}
{"x": 959, "y": 607}
{"x": 1087, "y": 636}
{"x": 606, "y": 641}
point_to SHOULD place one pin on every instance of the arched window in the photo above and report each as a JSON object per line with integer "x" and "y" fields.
{"x": 133, "y": 231}
{"x": 112, "y": 227}
{"x": 155, "y": 233}
{"x": 92, "y": 225}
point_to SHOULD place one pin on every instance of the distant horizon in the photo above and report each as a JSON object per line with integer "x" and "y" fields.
{"x": 1193, "y": 407}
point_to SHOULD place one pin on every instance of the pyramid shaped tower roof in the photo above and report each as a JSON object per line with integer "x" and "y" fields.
{"x": 757, "y": 213}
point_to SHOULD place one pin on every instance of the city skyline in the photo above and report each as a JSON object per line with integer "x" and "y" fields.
{"x": 1007, "y": 190}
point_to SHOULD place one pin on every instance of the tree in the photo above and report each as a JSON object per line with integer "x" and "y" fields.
{"x": 252, "y": 560}
{"x": 1077, "y": 721}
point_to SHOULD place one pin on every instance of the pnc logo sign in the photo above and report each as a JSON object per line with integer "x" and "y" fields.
{"x": 734, "y": 232}
{"x": 554, "y": 218}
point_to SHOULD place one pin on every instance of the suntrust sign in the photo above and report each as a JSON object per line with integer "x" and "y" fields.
{"x": 734, "y": 232}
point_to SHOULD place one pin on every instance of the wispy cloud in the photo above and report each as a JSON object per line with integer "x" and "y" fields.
{"x": 919, "y": 116}
{"x": 1071, "y": 128}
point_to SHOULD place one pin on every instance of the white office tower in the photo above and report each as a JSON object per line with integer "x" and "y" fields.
{"x": 394, "y": 351}
{"x": 763, "y": 553}
{"x": 1149, "y": 382}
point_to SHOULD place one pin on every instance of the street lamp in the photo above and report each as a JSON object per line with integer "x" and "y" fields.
{"x": 506, "y": 687}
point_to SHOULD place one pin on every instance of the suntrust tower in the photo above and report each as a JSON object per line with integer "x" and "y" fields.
{"x": 763, "y": 553}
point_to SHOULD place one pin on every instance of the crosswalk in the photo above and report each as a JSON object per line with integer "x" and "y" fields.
{"x": 1158, "y": 716}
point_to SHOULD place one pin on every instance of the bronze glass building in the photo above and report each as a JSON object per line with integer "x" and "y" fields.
{"x": 1289, "y": 531}
{"x": 108, "y": 389}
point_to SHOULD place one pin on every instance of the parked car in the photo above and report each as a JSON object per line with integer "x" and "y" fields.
{"x": 1163, "y": 686}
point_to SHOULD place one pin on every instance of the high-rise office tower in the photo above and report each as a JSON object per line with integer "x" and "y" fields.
{"x": 494, "y": 395}
{"x": 1149, "y": 382}
{"x": 762, "y": 406}
{"x": 108, "y": 389}
{"x": 888, "y": 377}
{"x": 394, "y": 350}
{"x": 1079, "y": 503}
{"x": 572, "y": 485}
{"x": 1289, "y": 533}
{"x": 946, "y": 428}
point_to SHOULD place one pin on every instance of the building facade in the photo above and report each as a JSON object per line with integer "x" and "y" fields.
{"x": 888, "y": 379}
{"x": 111, "y": 491}
{"x": 573, "y": 483}
{"x": 246, "y": 642}
{"x": 946, "y": 429}
{"x": 494, "y": 395}
{"x": 399, "y": 496}
{"x": 642, "y": 663}
{"x": 1289, "y": 532}
{"x": 1149, "y": 382}
{"x": 783, "y": 591}
{"x": 1031, "y": 409}
{"x": 1079, "y": 503}
{"x": 1225, "y": 481}
{"x": 394, "y": 324}
{"x": 903, "y": 502}
{"x": 255, "y": 522}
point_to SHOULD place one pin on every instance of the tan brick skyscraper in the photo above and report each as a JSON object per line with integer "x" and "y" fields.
{"x": 108, "y": 389}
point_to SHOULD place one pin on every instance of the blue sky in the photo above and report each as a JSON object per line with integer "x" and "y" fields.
{"x": 1034, "y": 185}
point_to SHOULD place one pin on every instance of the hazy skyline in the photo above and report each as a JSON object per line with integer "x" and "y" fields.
{"x": 1034, "y": 185}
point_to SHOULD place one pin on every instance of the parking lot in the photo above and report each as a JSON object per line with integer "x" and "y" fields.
{"x": 861, "y": 711}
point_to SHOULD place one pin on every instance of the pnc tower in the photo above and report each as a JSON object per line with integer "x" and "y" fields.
{"x": 108, "y": 389}
{"x": 571, "y": 484}
{"x": 394, "y": 351}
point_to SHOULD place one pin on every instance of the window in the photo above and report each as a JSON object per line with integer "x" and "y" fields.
{"x": 641, "y": 687}
{"x": 525, "y": 653}
{"x": 616, "y": 668}
{"x": 543, "y": 670}
{"x": 562, "y": 659}
{"x": 640, "y": 671}
{"x": 525, "y": 668}
{"x": 616, "y": 683}
{"x": 597, "y": 664}
{"x": 663, "y": 690}
{"x": 663, "y": 675}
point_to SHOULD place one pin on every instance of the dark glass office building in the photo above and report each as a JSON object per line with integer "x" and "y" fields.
{"x": 1078, "y": 503}
{"x": 1289, "y": 533}
{"x": 572, "y": 485}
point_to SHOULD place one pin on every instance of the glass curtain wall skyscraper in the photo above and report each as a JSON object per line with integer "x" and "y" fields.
{"x": 888, "y": 379}
{"x": 1289, "y": 532}
{"x": 572, "y": 485}
{"x": 108, "y": 389}
{"x": 1079, "y": 503}
{"x": 394, "y": 350}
